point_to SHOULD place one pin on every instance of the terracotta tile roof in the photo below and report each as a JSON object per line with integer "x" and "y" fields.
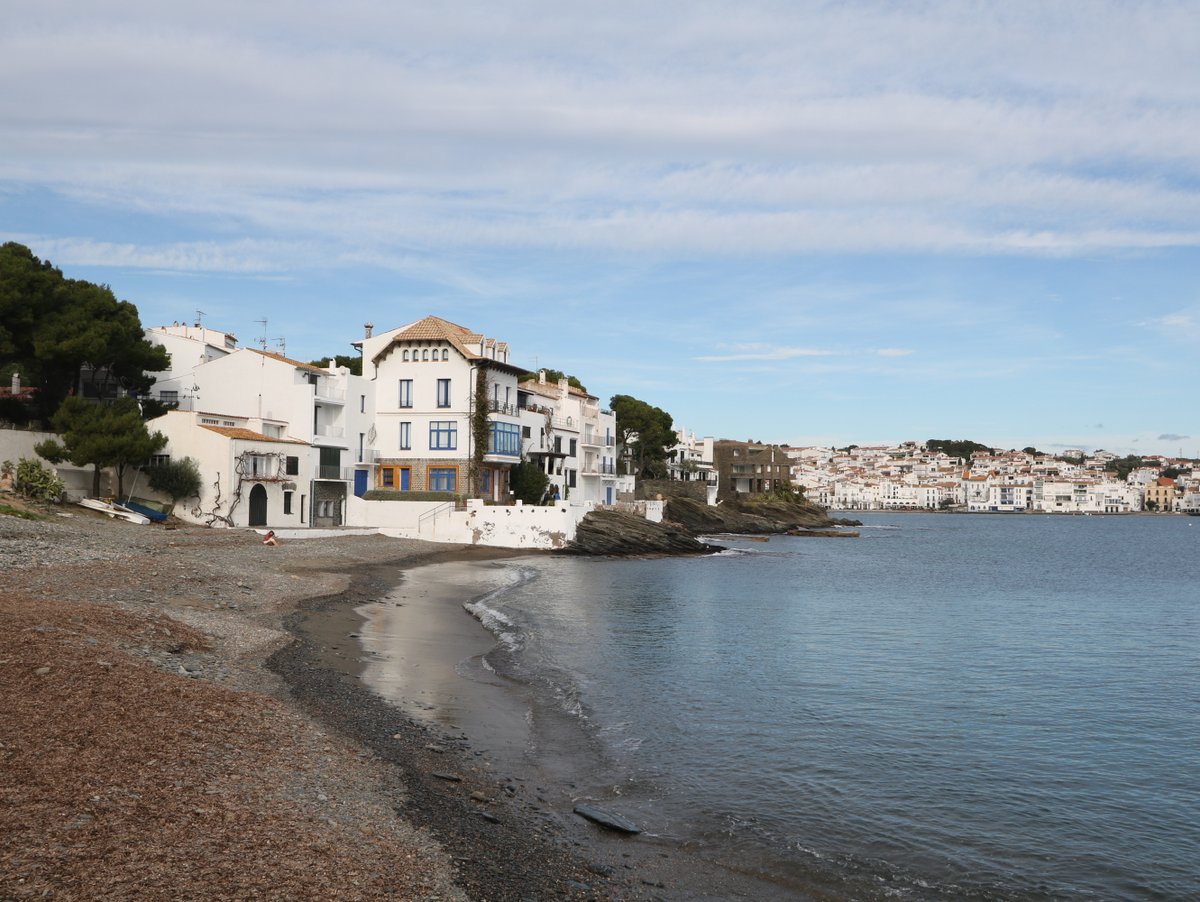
{"x": 249, "y": 434}
{"x": 296, "y": 363}
{"x": 434, "y": 328}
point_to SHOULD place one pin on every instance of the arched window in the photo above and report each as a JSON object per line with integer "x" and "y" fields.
{"x": 445, "y": 354}
{"x": 425, "y": 354}
{"x": 405, "y": 357}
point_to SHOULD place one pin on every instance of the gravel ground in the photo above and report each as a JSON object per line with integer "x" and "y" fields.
{"x": 163, "y": 734}
{"x": 171, "y": 729}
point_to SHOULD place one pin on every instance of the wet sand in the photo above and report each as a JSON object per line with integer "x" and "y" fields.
{"x": 460, "y": 734}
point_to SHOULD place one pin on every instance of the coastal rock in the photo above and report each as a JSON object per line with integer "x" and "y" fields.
{"x": 746, "y": 517}
{"x": 607, "y": 818}
{"x": 616, "y": 533}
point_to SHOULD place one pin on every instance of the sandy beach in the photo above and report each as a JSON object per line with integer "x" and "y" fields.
{"x": 183, "y": 716}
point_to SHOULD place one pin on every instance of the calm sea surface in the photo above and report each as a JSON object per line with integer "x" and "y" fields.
{"x": 948, "y": 707}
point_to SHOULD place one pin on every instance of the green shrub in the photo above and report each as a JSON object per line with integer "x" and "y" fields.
{"x": 36, "y": 480}
{"x": 177, "y": 479}
{"x": 396, "y": 495}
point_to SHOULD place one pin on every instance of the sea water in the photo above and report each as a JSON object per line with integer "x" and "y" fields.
{"x": 951, "y": 706}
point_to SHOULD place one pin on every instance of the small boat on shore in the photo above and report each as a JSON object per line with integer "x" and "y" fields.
{"x": 155, "y": 510}
{"x": 113, "y": 510}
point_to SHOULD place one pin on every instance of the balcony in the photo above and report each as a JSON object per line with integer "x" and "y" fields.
{"x": 508, "y": 410}
{"x": 328, "y": 393}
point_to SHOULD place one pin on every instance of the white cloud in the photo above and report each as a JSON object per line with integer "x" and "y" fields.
{"x": 765, "y": 352}
{"x": 729, "y": 129}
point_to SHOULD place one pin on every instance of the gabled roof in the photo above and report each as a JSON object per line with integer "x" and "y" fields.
{"x": 308, "y": 367}
{"x": 434, "y": 328}
{"x": 241, "y": 432}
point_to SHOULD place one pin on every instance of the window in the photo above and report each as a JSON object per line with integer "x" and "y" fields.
{"x": 485, "y": 482}
{"x": 394, "y": 478}
{"x": 404, "y": 355}
{"x": 443, "y": 479}
{"x": 574, "y": 445}
{"x": 169, "y": 397}
{"x": 571, "y": 479}
{"x": 505, "y": 438}
{"x": 302, "y": 508}
{"x": 425, "y": 354}
{"x": 405, "y": 436}
{"x": 292, "y": 466}
{"x": 159, "y": 460}
{"x": 259, "y": 465}
{"x": 445, "y": 354}
{"x": 362, "y": 403}
{"x": 443, "y": 393}
{"x": 526, "y": 432}
{"x": 287, "y": 502}
{"x": 406, "y": 393}
{"x": 443, "y": 435}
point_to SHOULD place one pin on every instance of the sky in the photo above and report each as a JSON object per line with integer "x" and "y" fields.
{"x": 812, "y": 223}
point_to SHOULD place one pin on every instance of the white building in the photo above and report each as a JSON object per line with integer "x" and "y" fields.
{"x": 249, "y": 478}
{"x": 566, "y": 433}
{"x": 691, "y": 460}
{"x": 426, "y": 377}
{"x": 189, "y": 347}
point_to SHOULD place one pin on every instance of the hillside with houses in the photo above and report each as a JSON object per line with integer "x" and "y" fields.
{"x": 911, "y": 476}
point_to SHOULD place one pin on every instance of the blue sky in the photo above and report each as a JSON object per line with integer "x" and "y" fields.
{"x": 797, "y": 222}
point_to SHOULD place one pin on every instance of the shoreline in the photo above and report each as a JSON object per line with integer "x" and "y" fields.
{"x": 507, "y": 823}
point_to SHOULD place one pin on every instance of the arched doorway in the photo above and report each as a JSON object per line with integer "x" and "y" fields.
{"x": 258, "y": 506}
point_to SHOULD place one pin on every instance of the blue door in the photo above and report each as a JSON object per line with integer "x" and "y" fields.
{"x": 608, "y": 494}
{"x": 360, "y": 482}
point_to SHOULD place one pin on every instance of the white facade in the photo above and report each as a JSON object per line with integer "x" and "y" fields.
{"x": 691, "y": 460}
{"x": 566, "y": 432}
{"x": 425, "y": 378}
{"x": 248, "y": 478}
{"x": 189, "y": 347}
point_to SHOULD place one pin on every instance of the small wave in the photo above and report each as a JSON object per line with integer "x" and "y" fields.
{"x": 496, "y": 623}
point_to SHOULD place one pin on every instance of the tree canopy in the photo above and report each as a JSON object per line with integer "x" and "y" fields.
{"x": 101, "y": 435}
{"x": 963, "y": 448}
{"x": 352, "y": 362}
{"x": 54, "y": 329}
{"x": 552, "y": 377}
{"x": 646, "y": 432}
{"x": 1123, "y": 466}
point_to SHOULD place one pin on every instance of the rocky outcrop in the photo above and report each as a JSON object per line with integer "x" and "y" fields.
{"x": 616, "y": 533}
{"x": 747, "y": 518}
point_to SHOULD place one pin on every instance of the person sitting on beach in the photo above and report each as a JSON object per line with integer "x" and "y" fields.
{"x": 269, "y": 538}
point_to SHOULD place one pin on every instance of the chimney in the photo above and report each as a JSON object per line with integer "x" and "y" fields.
{"x": 563, "y": 387}
{"x": 368, "y": 328}
{"x": 541, "y": 377}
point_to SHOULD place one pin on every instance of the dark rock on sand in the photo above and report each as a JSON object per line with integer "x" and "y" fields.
{"x": 607, "y": 818}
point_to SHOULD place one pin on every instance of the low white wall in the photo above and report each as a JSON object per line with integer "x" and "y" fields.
{"x": 400, "y": 519}
{"x": 17, "y": 443}
{"x": 518, "y": 526}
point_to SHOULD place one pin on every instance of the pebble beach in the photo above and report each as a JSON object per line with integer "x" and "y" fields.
{"x": 180, "y": 718}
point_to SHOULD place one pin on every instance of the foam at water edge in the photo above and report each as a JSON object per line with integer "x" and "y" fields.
{"x": 496, "y": 623}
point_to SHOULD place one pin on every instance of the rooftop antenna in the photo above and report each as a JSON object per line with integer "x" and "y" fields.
{"x": 262, "y": 339}
{"x": 281, "y": 344}
{"x": 200, "y": 314}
